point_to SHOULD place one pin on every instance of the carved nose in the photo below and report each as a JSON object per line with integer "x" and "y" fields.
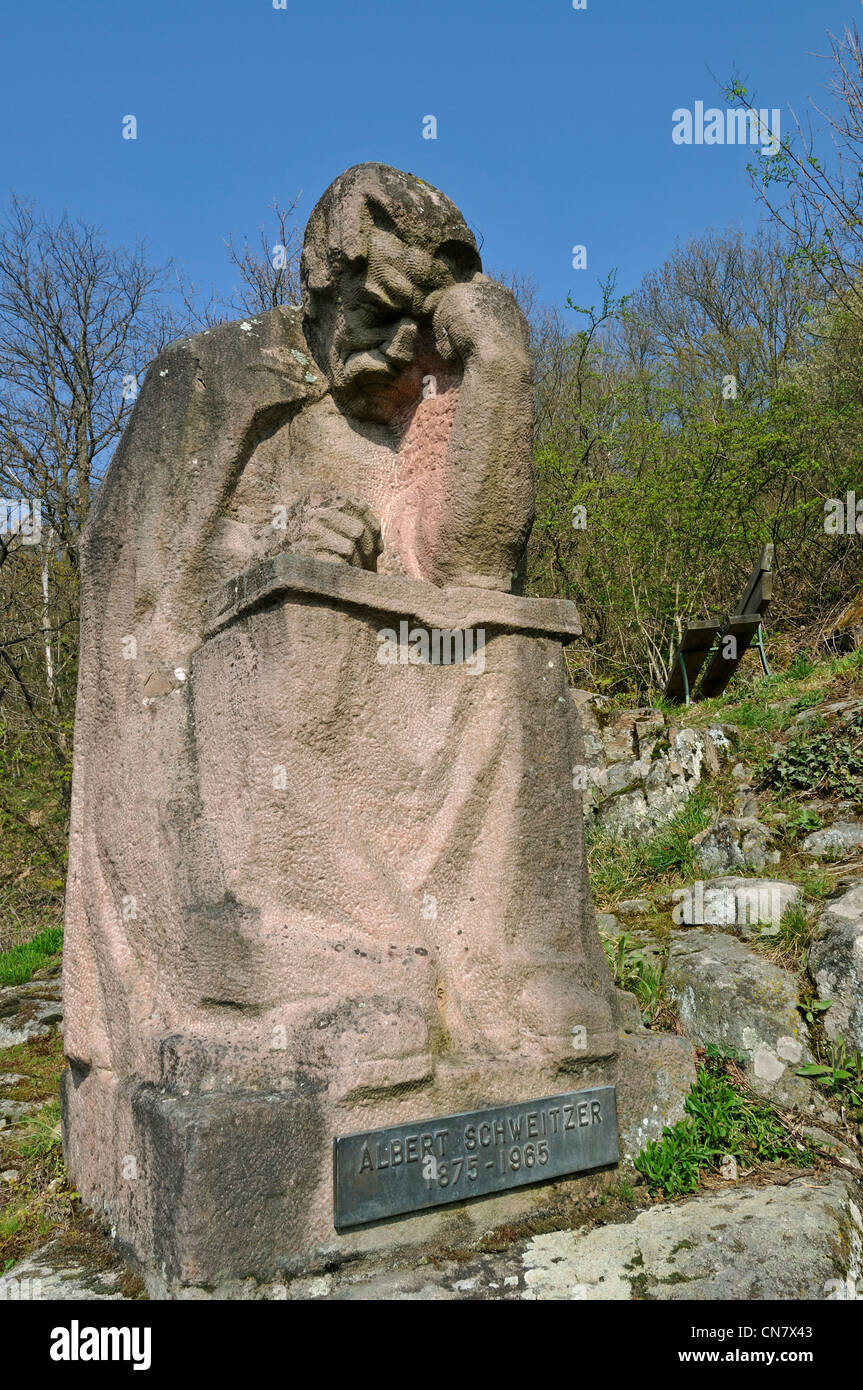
{"x": 400, "y": 348}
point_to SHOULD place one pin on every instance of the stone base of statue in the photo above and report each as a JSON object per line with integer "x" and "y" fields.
{"x": 231, "y": 1192}
{"x": 386, "y": 915}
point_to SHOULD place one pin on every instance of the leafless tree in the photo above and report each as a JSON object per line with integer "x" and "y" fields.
{"x": 79, "y": 322}
{"x": 813, "y": 186}
{"x": 269, "y": 272}
{"x": 723, "y": 305}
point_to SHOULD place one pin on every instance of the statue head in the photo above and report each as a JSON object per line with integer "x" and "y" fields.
{"x": 380, "y": 246}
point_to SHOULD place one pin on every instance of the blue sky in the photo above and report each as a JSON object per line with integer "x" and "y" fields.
{"x": 554, "y": 125}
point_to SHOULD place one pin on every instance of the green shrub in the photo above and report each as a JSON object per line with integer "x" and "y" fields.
{"x": 720, "y": 1121}
{"x": 823, "y": 760}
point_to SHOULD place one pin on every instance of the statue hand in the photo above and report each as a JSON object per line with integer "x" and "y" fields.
{"x": 479, "y": 320}
{"x": 343, "y": 530}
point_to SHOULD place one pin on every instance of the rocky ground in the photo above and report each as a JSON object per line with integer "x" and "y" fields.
{"x": 726, "y": 846}
{"x": 800, "y": 1237}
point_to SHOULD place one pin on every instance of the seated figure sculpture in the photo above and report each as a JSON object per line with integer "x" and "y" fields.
{"x": 312, "y": 891}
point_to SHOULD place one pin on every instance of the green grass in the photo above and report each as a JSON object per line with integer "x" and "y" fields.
{"x": 746, "y": 703}
{"x": 796, "y": 931}
{"x": 39, "y": 1201}
{"x": 39, "y": 1063}
{"x": 641, "y": 976}
{"x": 721, "y": 1120}
{"x": 21, "y": 963}
{"x": 621, "y": 867}
{"x": 37, "y": 1136}
{"x": 814, "y": 881}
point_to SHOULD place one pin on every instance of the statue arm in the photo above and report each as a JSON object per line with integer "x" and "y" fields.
{"x": 475, "y": 531}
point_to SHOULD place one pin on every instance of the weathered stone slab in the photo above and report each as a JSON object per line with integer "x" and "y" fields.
{"x": 726, "y": 994}
{"x": 751, "y": 907}
{"x": 32, "y": 1010}
{"x": 69, "y": 1272}
{"x": 735, "y": 845}
{"x": 842, "y": 838}
{"x": 798, "y": 1241}
{"x": 836, "y": 966}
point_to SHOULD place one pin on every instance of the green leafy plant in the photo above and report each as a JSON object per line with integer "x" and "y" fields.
{"x": 720, "y": 1120}
{"x": 814, "y": 1008}
{"x": 617, "y": 954}
{"x": 841, "y": 1071}
{"x": 818, "y": 759}
{"x": 633, "y": 971}
{"x": 803, "y": 820}
{"x": 648, "y": 988}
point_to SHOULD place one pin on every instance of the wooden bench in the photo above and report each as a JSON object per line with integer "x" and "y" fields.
{"x": 714, "y": 649}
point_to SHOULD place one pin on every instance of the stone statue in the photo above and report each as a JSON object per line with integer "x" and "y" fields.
{"x": 327, "y": 868}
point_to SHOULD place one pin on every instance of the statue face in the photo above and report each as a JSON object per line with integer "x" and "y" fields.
{"x": 379, "y": 330}
{"x": 380, "y": 248}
